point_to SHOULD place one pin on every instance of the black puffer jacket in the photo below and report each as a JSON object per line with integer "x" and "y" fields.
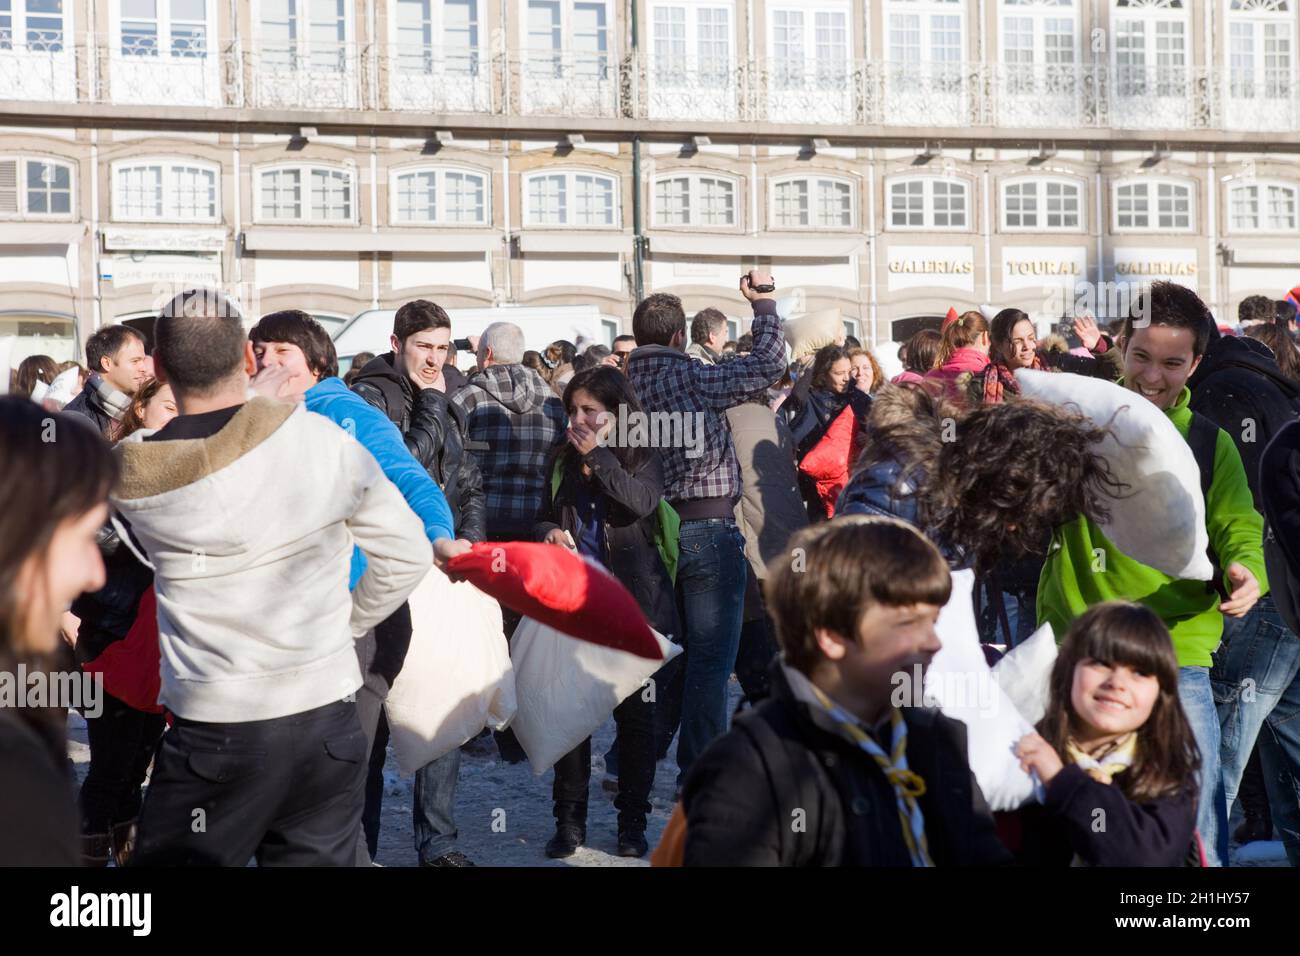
{"x": 631, "y": 519}
{"x": 434, "y": 434}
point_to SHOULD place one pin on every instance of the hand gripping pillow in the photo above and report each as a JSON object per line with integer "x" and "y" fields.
{"x": 1159, "y": 518}
{"x": 960, "y": 683}
{"x": 1025, "y": 673}
{"x": 566, "y": 688}
{"x": 456, "y": 678}
{"x": 558, "y": 588}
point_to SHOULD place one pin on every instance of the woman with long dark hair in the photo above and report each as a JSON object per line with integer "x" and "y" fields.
{"x": 1015, "y": 345}
{"x": 54, "y": 484}
{"x": 1114, "y": 738}
{"x": 828, "y": 437}
{"x": 603, "y": 501}
{"x": 1276, "y": 337}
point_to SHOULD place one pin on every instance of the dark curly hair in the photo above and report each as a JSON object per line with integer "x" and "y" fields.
{"x": 1007, "y": 475}
{"x": 906, "y": 425}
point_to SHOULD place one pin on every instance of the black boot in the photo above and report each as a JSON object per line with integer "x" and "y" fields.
{"x": 632, "y": 842}
{"x": 570, "y": 830}
{"x": 568, "y": 837}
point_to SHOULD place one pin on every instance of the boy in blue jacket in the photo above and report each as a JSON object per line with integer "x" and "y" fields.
{"x": 296, "y": 360}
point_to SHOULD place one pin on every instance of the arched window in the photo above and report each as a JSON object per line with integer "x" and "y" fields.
{"x": 929, "y": 202}
{"x": 1261, "y": 41}
{"x": 439, "y": 196}
{"x": 1262, "y": 207}
{"x": 1151, "y": 48}
{"x": 695, "y": 199}
{"x": 305, "y": 193}
{"x": 1150, "y": 205}
{"x": 1042, "y": 205}
{"x": 1038, "y": 42}
{"x": 577, "y": 198}
{"x": 812, "y": 202}
{"x": 176, "y": 190}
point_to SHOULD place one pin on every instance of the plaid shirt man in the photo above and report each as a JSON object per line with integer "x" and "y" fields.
{"x": 667, "y": 380}
{"x": 512, "y": 422}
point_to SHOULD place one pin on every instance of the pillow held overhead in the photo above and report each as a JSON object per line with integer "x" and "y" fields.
{"x": 1159, "y": 517}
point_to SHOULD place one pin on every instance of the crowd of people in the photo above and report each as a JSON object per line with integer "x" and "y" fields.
{"x": 218, "y": 518}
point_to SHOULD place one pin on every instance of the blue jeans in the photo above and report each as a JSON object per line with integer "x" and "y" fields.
{"x": 433, "y": 810}
{"x": 1257, "y": 694}
{"x": 1197, "y": 698}
{"x": 711, "y": 592}
{"x": 1022, "y": 616}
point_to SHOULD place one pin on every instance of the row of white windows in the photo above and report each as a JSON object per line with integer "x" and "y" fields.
{"x": 446, "y": 34}
{"x": 188, "y": 192}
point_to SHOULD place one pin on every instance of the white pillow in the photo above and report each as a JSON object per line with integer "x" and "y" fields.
{"x": 1159, "y": 519}
{"x": 456, "y": 679}
{"x": 1025, "y": 672}
{"x": 64, "y": 387}
{"x": 960, "y": 683}
{"x": 568, "y": 687}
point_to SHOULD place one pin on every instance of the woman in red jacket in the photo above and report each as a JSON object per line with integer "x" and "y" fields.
{"x": 827, "y": 429}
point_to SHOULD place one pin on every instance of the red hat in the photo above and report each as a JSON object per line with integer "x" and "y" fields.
{"x": 950, "y": 318}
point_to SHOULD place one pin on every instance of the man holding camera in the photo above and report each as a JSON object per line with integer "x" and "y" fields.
{"x": 703, "y": 486}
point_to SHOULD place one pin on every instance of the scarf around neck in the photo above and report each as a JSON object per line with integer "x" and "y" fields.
{"x": 1116, "y": 758}
{"x": 999, "y": 379}
{"x": 908, "y": 785}
{"x": 113, "y": 403}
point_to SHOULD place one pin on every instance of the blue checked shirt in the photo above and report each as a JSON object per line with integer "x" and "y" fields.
{"x": 512, "y": 421}
{"x": 667, "y": 380}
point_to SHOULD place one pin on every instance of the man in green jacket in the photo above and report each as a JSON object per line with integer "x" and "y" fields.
{"x": 1161, "y": 350}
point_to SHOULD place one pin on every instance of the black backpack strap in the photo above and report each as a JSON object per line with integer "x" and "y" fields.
{"x": 1203, "y": 437}
{"x": 786, "y": 781}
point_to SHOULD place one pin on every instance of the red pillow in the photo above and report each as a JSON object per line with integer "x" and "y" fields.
{"x": 558, "y": 588}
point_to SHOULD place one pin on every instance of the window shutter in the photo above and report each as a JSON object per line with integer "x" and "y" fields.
{"x": 9, "y": 186}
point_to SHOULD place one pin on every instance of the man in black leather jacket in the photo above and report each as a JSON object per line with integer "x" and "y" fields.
{"x": 412, "y": 387}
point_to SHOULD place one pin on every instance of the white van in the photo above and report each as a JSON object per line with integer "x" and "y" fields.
{"x": 369, "y": 331}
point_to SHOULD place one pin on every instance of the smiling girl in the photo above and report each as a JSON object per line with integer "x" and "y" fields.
{"x": 1114, "y": 752}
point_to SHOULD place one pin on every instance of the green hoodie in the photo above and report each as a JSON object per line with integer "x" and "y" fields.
{"x": 1076, "y": 577}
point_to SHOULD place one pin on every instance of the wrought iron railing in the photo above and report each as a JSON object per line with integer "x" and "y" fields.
{"x": 47, "y": 68}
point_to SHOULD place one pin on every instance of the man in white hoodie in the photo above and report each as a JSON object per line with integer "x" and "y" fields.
{"x": 248, "y": 510}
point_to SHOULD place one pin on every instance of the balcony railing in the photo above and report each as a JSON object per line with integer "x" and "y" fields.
{"x": 449, "y": 81}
